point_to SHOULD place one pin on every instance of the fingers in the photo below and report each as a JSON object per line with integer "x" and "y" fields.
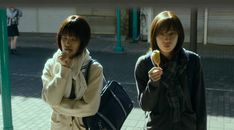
{"x": 155, "y": 73}
{"x": 64, "y": 59}
{"x": 64, "y": 55}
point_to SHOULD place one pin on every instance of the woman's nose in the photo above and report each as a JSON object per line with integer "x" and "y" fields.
{"x": 67, "y": 42}
{"x": 167, "y": 37}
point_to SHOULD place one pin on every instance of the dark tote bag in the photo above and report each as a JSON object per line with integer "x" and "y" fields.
{"x": 114, "y": 107}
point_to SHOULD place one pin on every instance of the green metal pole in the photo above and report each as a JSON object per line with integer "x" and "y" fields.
{"x": 134, "y": 25}
{"x": 118, "y": 48}
{"x": 5, "y": 84}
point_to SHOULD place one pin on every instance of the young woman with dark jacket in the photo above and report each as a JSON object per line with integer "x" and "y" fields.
{"x": 171, "y": 92}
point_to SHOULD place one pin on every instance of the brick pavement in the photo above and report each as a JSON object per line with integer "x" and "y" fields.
{"x": 31, "y": 113}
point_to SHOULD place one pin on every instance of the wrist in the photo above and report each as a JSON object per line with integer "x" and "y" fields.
{"x": 153, "y": 83}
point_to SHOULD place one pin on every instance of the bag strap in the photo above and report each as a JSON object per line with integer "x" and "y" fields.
{"x": 87, "y": 70}
{"x": 190, "y": 71}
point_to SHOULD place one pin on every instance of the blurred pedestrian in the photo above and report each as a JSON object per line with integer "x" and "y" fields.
{"x": 64, "y": 84}
{"x": 13, "y": 15}
{"x": 169, "y": 79}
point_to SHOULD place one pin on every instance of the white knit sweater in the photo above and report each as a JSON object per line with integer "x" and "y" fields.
{"x": 57, "y": 82}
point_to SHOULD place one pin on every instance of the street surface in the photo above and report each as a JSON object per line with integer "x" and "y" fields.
{"x": 31, "y": 113}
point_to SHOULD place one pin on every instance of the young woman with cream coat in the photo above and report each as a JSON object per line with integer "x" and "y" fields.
{"x": 64, "y": 85}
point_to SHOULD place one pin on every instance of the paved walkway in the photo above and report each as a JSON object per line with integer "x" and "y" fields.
{"x": 30, "y": 113}
{"x": 33, "y": 114}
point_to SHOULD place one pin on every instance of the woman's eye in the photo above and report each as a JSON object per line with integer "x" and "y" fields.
{"x": 64, "y": 38}
{"x": 73, "y": 39}
{"x": 172, "y": 33}
{"x": 161, "y": 34}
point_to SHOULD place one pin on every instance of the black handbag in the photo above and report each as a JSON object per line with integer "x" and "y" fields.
{"x": 114, "y": 107}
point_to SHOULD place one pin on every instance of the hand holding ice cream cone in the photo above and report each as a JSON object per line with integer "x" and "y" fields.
{"x": 64, "y": 59}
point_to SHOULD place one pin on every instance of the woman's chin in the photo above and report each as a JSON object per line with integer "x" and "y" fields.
{"x": 167, "y": 50}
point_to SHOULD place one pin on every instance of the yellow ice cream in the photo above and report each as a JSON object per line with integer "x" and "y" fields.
{"x": 156, "y": 57}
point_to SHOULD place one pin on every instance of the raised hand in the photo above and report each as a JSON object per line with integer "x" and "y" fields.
{"x": 155, "y": 73}
{"x": 65, "y": 59}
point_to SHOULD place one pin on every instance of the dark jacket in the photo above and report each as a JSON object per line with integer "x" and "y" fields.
{"x": 177, "y": 100}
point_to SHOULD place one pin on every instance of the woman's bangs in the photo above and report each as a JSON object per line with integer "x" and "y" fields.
{"x": 167, "y": 25}
{"x": 68, "y": 30}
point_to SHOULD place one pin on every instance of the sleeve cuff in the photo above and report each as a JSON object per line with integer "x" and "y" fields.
{"x": 152, "y": 85}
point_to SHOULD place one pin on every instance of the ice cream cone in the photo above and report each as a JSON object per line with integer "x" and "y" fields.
{"x": 155, "y": 56}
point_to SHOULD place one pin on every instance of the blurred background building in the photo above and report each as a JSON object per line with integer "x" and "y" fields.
{"x": 215, "y": 25}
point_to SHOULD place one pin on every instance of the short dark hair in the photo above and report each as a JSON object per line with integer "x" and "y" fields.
{"x": 76, "y": 26}
{"x": 166, "y": 20}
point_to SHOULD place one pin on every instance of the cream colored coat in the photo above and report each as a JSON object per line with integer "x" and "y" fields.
{"x": 57, "y": 81}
